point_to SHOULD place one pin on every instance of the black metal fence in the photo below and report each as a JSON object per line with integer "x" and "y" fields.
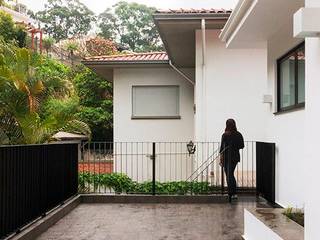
{"x": 33, "y": 180}
{"x": 160, "y": 168}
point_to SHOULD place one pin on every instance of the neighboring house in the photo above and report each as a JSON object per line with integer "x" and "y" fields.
{"x": 249, "y": 65}
{"x": 152, "y": 102}
{"x": 20, "y": 17}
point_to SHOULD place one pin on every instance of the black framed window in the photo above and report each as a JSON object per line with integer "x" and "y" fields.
{"x": 291, "y": 79}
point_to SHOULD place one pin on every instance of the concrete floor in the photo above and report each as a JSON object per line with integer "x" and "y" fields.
{"x": 151, "y": 222}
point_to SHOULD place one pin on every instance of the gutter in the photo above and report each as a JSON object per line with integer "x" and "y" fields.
{"x": 204, "y": 79}
{"x": 203, "y": 31}
{"x": 235, "y": 18}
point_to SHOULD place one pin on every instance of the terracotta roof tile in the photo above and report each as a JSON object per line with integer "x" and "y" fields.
{"x": 132, "y": 57}
{"x": 194, "y": 11}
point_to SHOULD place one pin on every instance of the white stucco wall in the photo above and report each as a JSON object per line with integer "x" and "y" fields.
{"x": 235, "y": 82}
{"x": 312, "y": 163}
{"x": 286, "y": 129}
{"x": 129, "y": 130}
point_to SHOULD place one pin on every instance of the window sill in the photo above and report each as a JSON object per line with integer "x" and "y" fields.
{"x": 291, "y": 109}
{"x": 155, "y": 117}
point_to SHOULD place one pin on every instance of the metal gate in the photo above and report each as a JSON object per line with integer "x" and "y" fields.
{"x": 265, "y": 157}
{"x": 160, "y": 168}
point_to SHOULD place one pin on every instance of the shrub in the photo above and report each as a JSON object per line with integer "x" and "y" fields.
{"x": 296, "y": 215}
{"x": 11, "y": 32}
{"x": 121, "y": 183}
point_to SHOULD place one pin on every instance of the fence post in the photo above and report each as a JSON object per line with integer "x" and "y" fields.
{"x": 153, "y": 157}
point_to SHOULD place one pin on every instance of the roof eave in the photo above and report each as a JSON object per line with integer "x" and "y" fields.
{"x": 124, "y": 63}
{"x": 190, "y": 16}
{"x": 236, "y": 17}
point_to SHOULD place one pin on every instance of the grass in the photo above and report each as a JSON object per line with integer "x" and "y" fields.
{"x": 296, "y": 215}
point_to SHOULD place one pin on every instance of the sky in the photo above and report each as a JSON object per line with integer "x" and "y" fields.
{"x": 99, "y": 6}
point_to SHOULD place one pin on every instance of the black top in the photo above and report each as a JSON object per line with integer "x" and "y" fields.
{"x": 230, "y": 146}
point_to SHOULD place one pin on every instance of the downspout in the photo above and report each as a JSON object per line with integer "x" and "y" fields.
{"x": 181, "y": 73}
{"x": 204, "y": 87}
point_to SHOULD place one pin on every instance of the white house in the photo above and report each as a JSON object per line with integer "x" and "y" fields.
{"x": 259, "y": 64}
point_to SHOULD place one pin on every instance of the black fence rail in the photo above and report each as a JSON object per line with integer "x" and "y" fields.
{"x": 160, "y": 168}
{"x": 33, "y": 180}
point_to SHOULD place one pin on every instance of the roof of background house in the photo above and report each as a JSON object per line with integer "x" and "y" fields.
{"x": 216, "y": 16}
{"x": 62, "y": 136}
{"x": 193, "y": 11}
{"x": 104, "y": 65}
{"x": 152, "y": 57}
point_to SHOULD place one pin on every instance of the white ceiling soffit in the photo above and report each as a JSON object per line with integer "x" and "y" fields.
{"x": 178, "y": 34}
{"x": 253, "y": 22}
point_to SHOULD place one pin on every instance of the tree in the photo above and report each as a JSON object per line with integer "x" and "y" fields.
{"x": 72, "y": 47}
{"x": 7, "y": 27}
{"x": 10, "y": 32}
{"x": 48, "y": 43}
{"x": 130, "y": 25}
{"x": 34, "y": 103}
{"x": 99, "y": 46}
{"x": 66, "y": 18}
{"x": 96, "y": 103}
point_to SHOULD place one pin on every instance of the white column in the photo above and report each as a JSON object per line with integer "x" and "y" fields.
{"x": 312, "y": 143}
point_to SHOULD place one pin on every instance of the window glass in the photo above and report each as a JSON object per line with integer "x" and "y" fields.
{"x": 155, "y": 101}
{"x": 301, "y": 76}
{"x": 291, "y": 79}
{"x": 287, "y": 71}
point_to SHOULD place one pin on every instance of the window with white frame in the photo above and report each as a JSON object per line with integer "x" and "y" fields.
{"x": 155, "y": 102}
{"x": 291, "y": 79}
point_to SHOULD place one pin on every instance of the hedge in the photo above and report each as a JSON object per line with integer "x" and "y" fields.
{"x": 121, "y": 183}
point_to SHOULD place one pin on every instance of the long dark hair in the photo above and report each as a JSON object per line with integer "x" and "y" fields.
{"x": 231, "y": 126}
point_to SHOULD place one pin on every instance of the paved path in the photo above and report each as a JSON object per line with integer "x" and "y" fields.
{"x": 151, "y": 222}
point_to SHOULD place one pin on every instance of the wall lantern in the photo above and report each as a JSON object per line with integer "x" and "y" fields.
{"x": 191, "y": 148}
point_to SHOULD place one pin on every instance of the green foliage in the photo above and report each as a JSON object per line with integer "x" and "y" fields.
{"x": 35, "y": 98}
{"x": 10, "y": 32}
{"x": 296, "y": 215}
{"x": 56, "y": 77}
{"x": 72, "y": 46}
{"x": 121, "y": 183}
{"x": 131, "y": 24}
{"x": 6, "y": 26}
{"x": 95, "y": 95}
{"x": 66, "y": 18}
{"x": 48, "y": 43}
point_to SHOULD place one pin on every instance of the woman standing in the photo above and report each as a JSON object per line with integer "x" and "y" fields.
{"x": 231, "y": 143}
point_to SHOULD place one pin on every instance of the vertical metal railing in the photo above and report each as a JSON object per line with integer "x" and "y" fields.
{"x": 33, "y": 180}
{"x": 157, "y": 168}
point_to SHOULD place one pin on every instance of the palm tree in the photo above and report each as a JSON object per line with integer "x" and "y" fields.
{"x": 72, "y": 47}
{"x": 29, "y": 112}
{"x": 48, "y": 42}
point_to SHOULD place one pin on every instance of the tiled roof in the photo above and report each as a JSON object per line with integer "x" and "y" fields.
{"x": 194, "y": 11}
{"x": 132, "y": 57}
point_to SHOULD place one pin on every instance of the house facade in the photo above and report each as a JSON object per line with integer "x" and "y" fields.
{"x": 258, "y": 65}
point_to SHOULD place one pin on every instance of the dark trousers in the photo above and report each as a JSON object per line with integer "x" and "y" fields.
{"x": 229, "y": 167}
